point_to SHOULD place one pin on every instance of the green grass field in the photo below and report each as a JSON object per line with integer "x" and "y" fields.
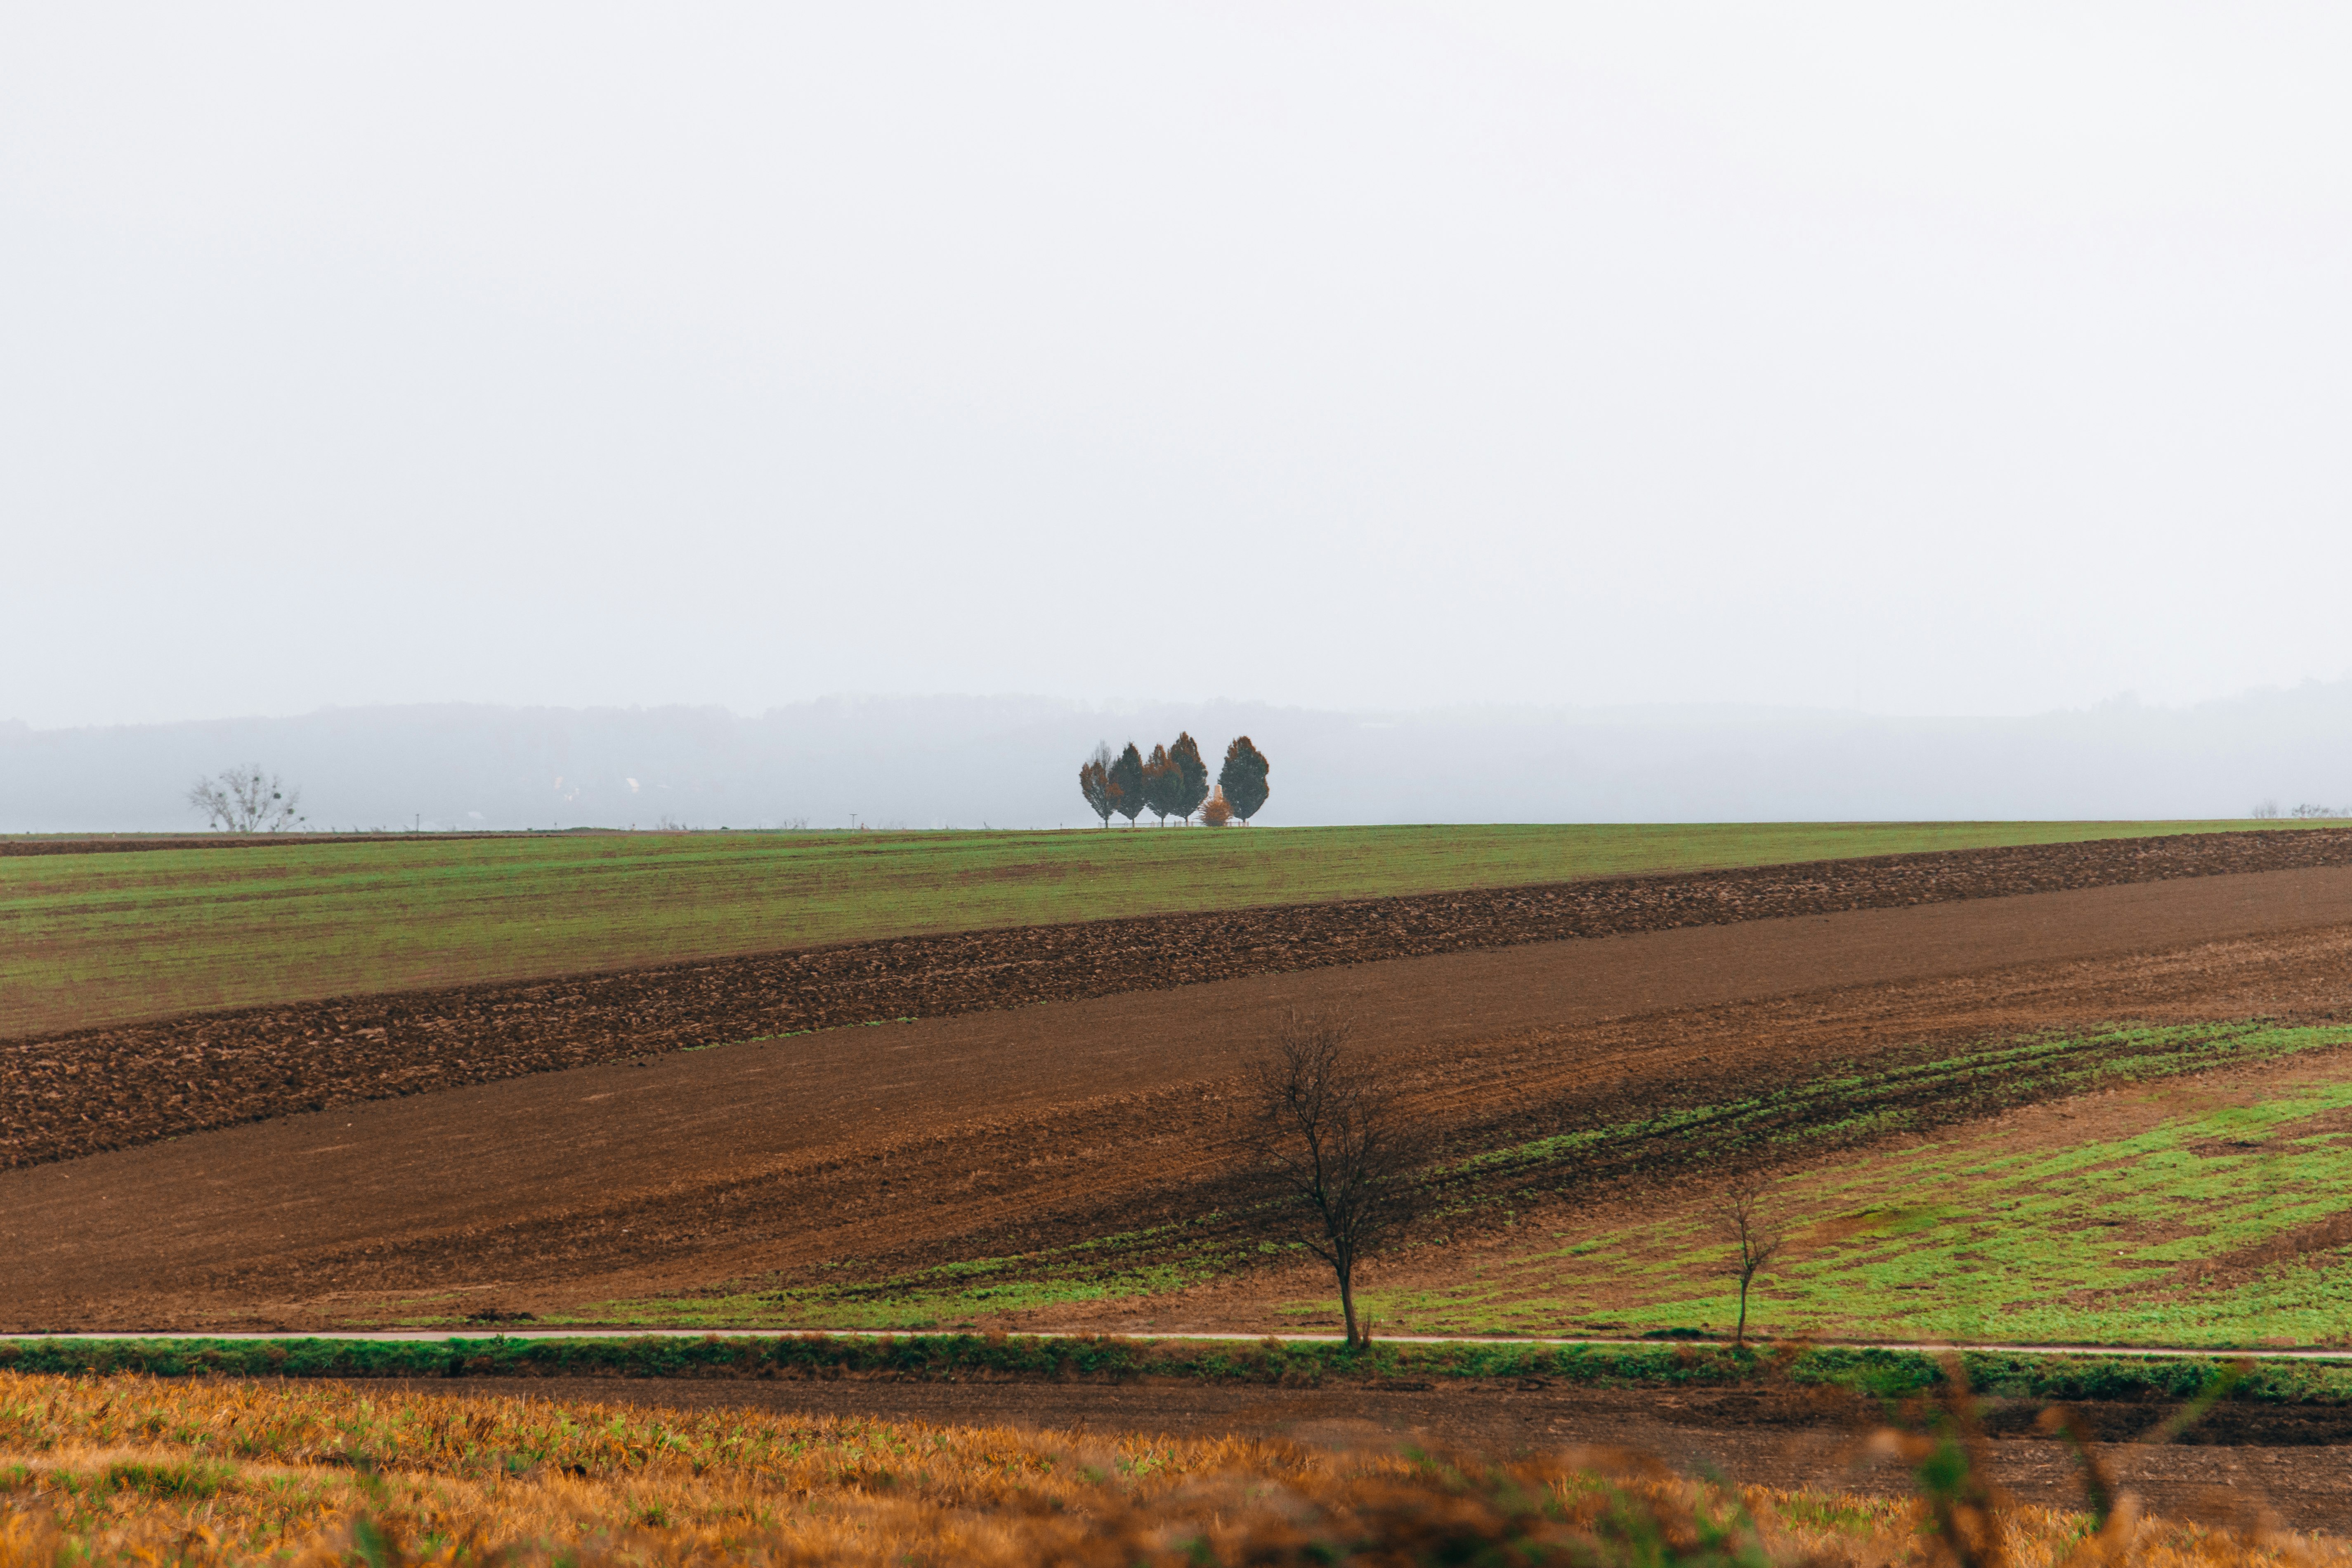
{"x": 107, "y": 937}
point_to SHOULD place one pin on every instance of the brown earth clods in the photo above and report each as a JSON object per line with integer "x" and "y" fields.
{"x": 67, "y": 1095}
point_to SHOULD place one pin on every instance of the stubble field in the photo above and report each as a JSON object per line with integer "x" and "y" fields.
{"x": 108, "y": 1470}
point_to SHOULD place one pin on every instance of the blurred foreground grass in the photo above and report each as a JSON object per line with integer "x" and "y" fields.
{"x": 105, "y": 1471}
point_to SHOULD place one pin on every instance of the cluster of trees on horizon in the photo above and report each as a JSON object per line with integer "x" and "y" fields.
{"x": 1174, "y": 781}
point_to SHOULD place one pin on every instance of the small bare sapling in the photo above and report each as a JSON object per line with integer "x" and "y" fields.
{"x": 1745, "y": 1218}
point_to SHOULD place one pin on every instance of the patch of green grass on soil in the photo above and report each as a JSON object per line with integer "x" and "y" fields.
{"x": 1664, "y": 1275}
{"x": 1971, "y": 1238}
{"x": 1134, "y": 1266}
{"x": 94, "y": 939}
{"x": 1844, "y": 1108}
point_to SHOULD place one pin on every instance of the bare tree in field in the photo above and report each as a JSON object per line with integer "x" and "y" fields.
{"x": 1332, "y": 1138}
{"x": 247, "y": 800}
{"x": 1743, "y": 1218}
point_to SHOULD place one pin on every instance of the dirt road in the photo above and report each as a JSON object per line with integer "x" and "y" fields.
{"x": 921, "y": 1139}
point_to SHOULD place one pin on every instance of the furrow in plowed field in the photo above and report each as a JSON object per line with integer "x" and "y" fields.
{"x": 68, "y": 1095}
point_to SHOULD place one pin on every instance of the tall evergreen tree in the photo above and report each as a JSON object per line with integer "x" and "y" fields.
{"x": 1243, "y": 778}
{"x": 1163, "y": 782}
{"x": 1126, "y": 784}
{"x": 1094, "y": 782}
{"x": 1186, "y": 754}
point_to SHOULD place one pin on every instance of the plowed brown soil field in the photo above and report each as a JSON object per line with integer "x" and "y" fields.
{"x": 952, "y": 1136}
{"x": 71, "y": 1094}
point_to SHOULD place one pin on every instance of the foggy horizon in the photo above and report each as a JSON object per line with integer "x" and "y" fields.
{"x": 1011, "y": 760}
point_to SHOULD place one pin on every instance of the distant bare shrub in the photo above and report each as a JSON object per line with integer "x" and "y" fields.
{"x": 247, "y": 800}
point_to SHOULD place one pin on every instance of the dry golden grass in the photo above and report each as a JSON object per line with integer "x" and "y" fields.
{"x": 95, "y": 1471}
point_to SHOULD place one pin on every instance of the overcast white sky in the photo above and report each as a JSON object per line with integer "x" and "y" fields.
{"x": 1945, "y": 359}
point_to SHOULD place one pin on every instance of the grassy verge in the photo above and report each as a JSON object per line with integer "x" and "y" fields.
{"x": 1109, "y": 1359}
{"x": 104, "y": 938}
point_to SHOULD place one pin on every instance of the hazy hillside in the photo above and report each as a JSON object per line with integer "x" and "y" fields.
{"x": 1011, "y": 761}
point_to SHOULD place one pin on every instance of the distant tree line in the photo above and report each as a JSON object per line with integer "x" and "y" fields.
{"x": 1174, "y": 780}
{"x": 2268, "y": 811}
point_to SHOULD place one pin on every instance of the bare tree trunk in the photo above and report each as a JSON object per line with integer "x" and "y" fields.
{"x": 1740, "y": 1337}
{"x": 1347, "y": 1299}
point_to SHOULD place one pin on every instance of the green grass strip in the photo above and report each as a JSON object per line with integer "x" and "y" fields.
{"x": 974, "y": 1357}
